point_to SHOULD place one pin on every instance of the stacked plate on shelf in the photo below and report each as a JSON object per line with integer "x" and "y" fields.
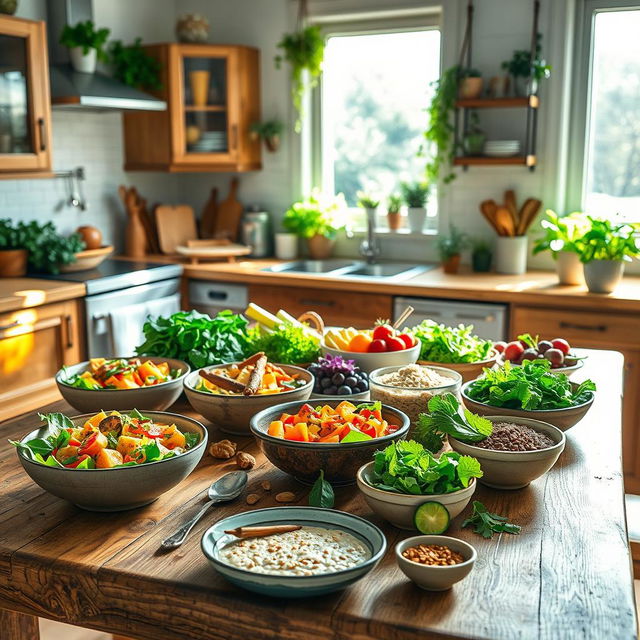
{"x": 501, "y": 148}
{"x": 210, "y": 142}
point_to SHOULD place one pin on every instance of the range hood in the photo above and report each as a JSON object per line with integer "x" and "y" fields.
{"x": 87, "y": 91}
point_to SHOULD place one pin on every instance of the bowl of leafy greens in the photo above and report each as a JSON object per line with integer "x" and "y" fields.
{"x": 530, "y": 390}
{"x": 405, "y": 475}
{"x": 457, "y": 348}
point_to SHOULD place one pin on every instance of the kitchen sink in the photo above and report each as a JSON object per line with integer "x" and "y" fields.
{"x": 400, "y": 270}
{"x": 310, "y": 266}
{"x": 353, "y": 269}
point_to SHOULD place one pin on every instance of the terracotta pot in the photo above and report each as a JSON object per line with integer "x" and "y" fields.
{"x": 13, "y": 263}
{"x": 394, "y": 220}
{"x": 452, "y": 264}
{"x": 569, "y": 268}
{"x": 320, "y": 247}
{"x": 272, "y": 143}
{"x": 470, "y": 88}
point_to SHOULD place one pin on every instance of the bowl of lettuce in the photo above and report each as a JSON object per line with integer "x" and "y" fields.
{"x": 457, "y": 348}
{"x": 405, "y": 475}
{"x": 530, "y": 390}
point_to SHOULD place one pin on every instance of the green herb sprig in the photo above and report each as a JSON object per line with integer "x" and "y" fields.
{"x": 486, "y": 524}
{"x": 321, "y": 494}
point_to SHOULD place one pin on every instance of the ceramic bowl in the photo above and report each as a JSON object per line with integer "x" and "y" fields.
{"x": 514, "y": 469}
{"x": 359, "y": 397}
{"x": 155, "y": 398}
{"x": 433, "y": 577}
{"x": 468, "y": 370}
{"x": 368, "y": 362}
{"x": 121, "y": 488}
{"x": 564, "y": 419}
{"x": 399, "y": 508}
{"x": 87, "y": 259}
{"x": 232, "y": 414}
{"x": 304, "y": 460}
{"x": 215, "y": 538}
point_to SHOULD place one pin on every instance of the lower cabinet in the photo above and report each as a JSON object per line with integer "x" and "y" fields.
{"x": 595, "y": 330}
{"x": 34, "y": 344}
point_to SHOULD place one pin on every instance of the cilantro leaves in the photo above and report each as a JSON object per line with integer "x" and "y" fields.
{"x": 486, "y": 524}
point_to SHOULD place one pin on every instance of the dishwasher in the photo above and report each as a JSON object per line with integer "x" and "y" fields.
{"x": 211, "y": 297}
{"x": 489, "y": 320}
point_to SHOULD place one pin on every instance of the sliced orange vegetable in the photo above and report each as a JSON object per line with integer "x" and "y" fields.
{"x": 298, "y": 432}
{"x": 334, "y": 438}
{"x": 108, "y": 458}
{"x": 92, "y": 444}
{"x": 276, "y": 429}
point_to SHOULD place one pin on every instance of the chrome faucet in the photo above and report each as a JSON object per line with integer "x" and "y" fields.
{"x": 369, "y": 247}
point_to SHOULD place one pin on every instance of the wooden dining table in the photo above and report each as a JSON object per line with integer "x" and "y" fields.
{"x": 567, "y": 575}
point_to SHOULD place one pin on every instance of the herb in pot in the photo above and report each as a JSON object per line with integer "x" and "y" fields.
{"x": 486, "y": 524}
{"x": 86, "y": 36}
{"x": 562, "y": 233}
{"x": 321, "y": 494}
{"x": 286, "y": 344}
{"x": 315, "y": 215}
{"x": 367, "y": 200}
{"x": 415, "y": 194}
{"x": 48, "y": 250}
{"x": 606, "y": 240}
{"x": 134, "y": 66}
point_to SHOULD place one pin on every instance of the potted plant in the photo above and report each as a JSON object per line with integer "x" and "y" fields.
{"x": 304, "y": 51}
{"x": 473, "y": 141}
{"x": 269, "y": 131}
{"x": 133, "y": 66}
{"x": 450, "y": 247}
{"x": 13, "y": 249}
{"x": 604, "y": 249}
{"x": 394, "y": 219}
{"x": 527, "y": 71}
{"x": 85, "y": 44}
{"x": 315, "y": 220}
{"x": 470, "y": 84}
{"x": 415, "y": 196}
{"x": 481, "y": 256}
{"x": 563, "y": 237}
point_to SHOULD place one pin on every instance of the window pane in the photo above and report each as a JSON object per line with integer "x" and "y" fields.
{"x": 613, "y": 178}
{"x": 375, "y": 91}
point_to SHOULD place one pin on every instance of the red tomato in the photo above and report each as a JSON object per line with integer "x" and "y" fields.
{"x": 407, "y": 339}
{"x": 561, "y": 344}
{"x": 377, "y": 346}
{"x": 73, "y": 465}
{"x": 513, "y": 351}
{"x": 369, "y": 430}
{"x": 92, "y": 444}
{"x": 383, "y": 332}
{"x": 499, "y": 346}
{"x": 395, "y": 344}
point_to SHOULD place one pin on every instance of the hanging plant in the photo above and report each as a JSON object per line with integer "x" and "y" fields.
{"x": 304, "y": 51}
{"x": 269, "y": 131}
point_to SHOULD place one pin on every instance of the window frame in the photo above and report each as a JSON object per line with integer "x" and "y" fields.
{"x": 581, "y": 89}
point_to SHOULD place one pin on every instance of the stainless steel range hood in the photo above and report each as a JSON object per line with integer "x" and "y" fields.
{"x": 87, "y": 91}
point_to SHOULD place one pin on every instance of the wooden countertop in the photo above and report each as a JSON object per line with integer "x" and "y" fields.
{"x": 567, "y": 575}
{"x": 22, "y": 293}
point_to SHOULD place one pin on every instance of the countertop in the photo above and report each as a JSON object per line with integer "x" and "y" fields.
{"x": 22, "y": 293}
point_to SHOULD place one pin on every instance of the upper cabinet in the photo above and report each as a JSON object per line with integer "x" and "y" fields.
{"x": 213, "y": 97}
{"x": 25, "y": 112}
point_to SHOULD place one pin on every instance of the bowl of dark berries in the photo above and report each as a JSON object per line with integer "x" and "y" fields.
{"x": 338, "y": 379}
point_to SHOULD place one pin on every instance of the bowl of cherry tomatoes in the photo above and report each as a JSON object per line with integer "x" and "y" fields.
{"x": 370, "y": 349}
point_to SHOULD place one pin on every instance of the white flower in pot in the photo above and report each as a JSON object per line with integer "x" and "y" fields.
{"x": 85, "y": 44}
{"x": 415, "y": 195}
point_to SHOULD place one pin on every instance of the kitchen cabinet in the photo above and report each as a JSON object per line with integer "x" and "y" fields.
{"x": 25, "y": 111}
{"x": 614, "y": 331}
{"x": 34, "y": 344}
{"x": 337, "y": 308}
{"x": 213, "y": 97}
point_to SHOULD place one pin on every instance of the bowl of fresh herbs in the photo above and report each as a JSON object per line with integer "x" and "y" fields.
{"x": 530, "y": 390}
{"x": 456, "y": 348}
{"x": 406, "y": 475}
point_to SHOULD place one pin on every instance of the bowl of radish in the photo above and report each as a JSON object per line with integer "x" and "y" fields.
{"x": 557, "y": 352}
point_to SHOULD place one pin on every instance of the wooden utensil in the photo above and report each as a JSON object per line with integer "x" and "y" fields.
{"x": 259, "y": 532}
{"x": 149, "y": 228}
{"x": 504, "y": 222}
{"x": 209, "y": 215}
{"x": 403, "y": 317}
{"x": 176, "y": 225}
{"x": 229, "y": 213}
{"x": 134, "y": 237}
{"x": 528, "y": 212}
{"x": 510, "y": 204}
{"x": 488, "y": 209}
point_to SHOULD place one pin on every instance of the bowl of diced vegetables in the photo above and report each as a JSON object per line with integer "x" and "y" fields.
{"x": 147, "y": 382}
{"x": 112, "y": 462}
{"x": 335, "y": 437}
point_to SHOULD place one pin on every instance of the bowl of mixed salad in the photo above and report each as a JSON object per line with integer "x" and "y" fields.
{"x": 111, "y": 461}
{"x": 147, "y": 382}
{"x": 334, "y": 437}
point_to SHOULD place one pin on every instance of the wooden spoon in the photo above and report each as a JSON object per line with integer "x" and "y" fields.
{"x": 504, "y": 222}
{"x": 528, "y": 212}
{"x": 488, "y": 209}
{"x": 266, "y": 530}
{"x": 510, "y": 204}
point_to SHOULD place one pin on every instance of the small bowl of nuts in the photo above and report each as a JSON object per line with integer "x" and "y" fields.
{"x": 435, "y": 563}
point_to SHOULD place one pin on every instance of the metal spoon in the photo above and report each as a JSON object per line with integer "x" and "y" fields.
{"x": 228, "y": 487}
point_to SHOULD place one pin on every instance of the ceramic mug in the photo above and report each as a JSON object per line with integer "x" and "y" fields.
{"x": 286, "y": 246}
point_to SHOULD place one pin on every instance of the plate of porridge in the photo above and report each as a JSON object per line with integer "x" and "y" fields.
{"x": 327, "y": 550}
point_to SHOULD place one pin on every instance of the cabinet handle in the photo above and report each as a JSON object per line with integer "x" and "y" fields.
{"x": 583, "y": 327}
{"x": 43, "y": 139}
{"x": 69, "y": 329}
{"x": 11, "y": 325}
{"x": 234, "y": 137}
{"x": 310, "y": 302}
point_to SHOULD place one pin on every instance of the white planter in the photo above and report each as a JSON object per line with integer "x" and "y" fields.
{"x": 511, "y": 255}
{"x": 81, "y": 62}
{"x": 569, "y": 268}
{"x": 603, "y": 276}
{"x": 416, "y": 218}
{"x": 286, "y": 246}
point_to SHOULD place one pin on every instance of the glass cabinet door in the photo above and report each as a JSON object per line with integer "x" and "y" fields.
{"x": 15, "y": 134}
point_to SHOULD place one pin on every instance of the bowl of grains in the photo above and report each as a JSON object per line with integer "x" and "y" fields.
{"x": 435, "y": 563}
{"x": 517, "y": 452}
{"x": 410, "y": 387}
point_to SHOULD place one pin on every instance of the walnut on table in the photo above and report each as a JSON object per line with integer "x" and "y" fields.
{"x": 223, "y": 450}
{"x": 245, "y": 460}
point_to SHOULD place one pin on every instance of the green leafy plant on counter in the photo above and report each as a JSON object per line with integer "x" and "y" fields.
{"x": 606, "y": 240}
{"x": 197, "y": 338}
{"x": 321, "y": 494}
{"x": 48, "y": 250}
{"x": 394, "y": 203}
{"x": 453, "y": 243}
{"x": 286, "y": 343}
{"x": 133, "y": 66}
{"x": 562, "y": 233}
{"x": 304, "y": 51}
{"x": 85, "y": 35}
{"x": 13, "y": 237}
{"x": 415, "y": 194}
{"x": 315, "y": 215}
{"x": 486, "y": 524}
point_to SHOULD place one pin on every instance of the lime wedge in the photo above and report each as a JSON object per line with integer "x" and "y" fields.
{"x": 431, "y": 518}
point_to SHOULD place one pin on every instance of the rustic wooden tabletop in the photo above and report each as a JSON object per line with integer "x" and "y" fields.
{"x": 568, "y": 575}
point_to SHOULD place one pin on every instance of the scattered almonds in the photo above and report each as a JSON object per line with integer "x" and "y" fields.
{"x": 266, "y": 485}
{"x": 252, "y": 498}
{"x": 245, "y": 460}
{"x": 285, "y": 496}
{"x": 433, "y": 554}
{"x": 223, "y": 450}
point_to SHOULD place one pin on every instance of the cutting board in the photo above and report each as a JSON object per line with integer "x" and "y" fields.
{"x": 229, "y": 214}
{"x": 175, "y": 226}
{"x": 209, "y": 215}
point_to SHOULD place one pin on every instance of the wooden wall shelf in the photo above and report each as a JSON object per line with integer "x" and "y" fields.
{"x": 209, "y": 107}
{"x": 468, "y": 161}
{"x": 499, "y": 103}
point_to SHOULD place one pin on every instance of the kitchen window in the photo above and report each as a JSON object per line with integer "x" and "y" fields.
{"x": 369, "y": 114}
